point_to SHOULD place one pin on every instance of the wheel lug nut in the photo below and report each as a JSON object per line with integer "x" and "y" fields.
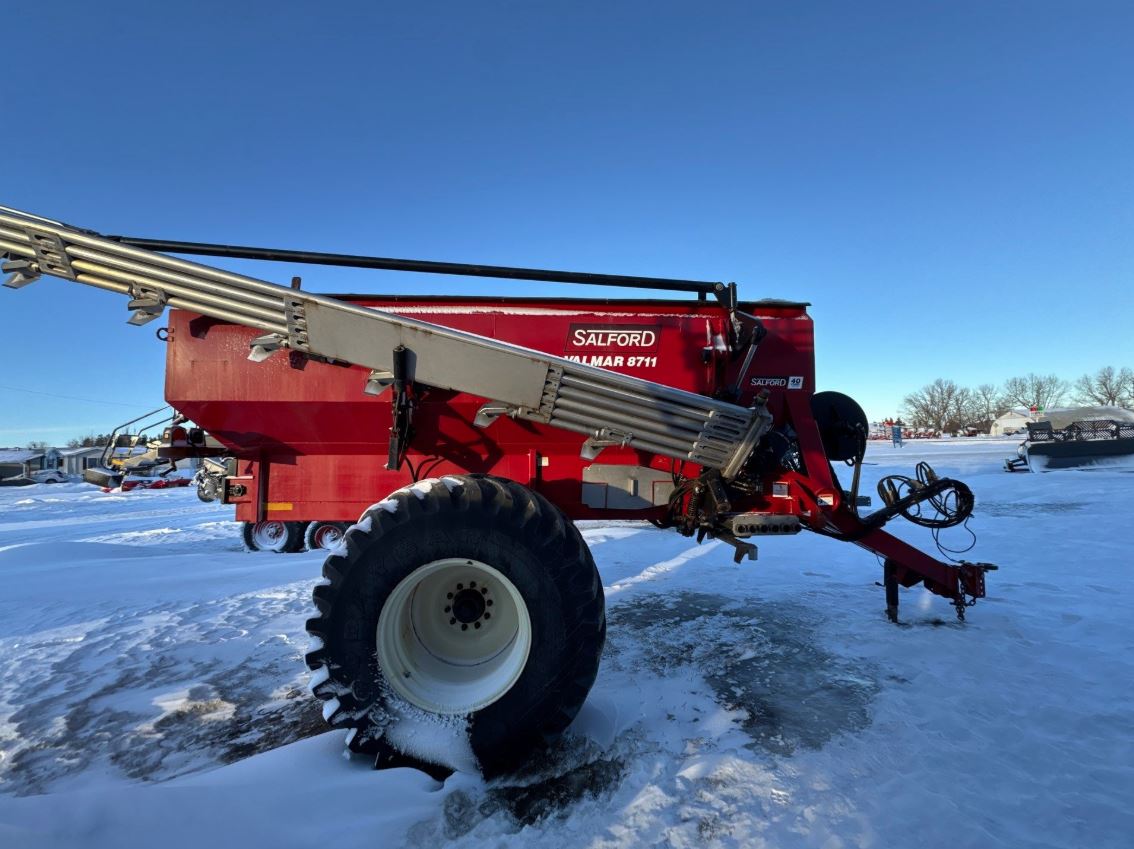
{"x": 489, "y": 603}
{"x": 449, "y": 595}
{"x": 447, "y": 609}
{"x": 484, "y": 590}
{"x": 453, "y": 620}
{"x": 476, "y": 624}
{"x": 464, "y": 627}
{"x": 460, "y": 586}
{"x": 472, "y": 583}
{"x": 487, "y": 615}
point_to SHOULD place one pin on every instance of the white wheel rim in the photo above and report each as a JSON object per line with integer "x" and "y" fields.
{"x": 328, "y": 536}
{"x": 269, "y": 535}
{"x": 443, "y": 650}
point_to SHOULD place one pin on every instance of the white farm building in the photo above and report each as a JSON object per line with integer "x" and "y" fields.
{"x": 1014, "y": 421}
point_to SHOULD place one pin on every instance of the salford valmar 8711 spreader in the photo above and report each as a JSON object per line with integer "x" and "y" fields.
{"x": 494, "y": 423}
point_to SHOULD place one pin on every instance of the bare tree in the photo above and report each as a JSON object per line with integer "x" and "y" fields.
{"x": 989, "y": 403}
{"x": 36, "y": 445}
{"x": 1107, "y": 387}
{"x": 1035, "y": 390}
{"x": 941, "y": 405}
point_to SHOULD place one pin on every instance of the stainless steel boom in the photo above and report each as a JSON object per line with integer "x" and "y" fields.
{"x": 610, "y": 408}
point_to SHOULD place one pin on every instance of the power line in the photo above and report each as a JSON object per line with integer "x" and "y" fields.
{"x": 71, "y": 397}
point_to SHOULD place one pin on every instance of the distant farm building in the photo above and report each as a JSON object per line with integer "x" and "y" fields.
{"x": 21, "y": 462}
{"x": 1014, "y": 421}
{"x": 74, "y": 460}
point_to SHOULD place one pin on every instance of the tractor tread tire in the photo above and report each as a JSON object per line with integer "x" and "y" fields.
{"x": 451, "y": 518}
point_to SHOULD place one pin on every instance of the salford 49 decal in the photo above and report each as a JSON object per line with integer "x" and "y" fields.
{"x": 794, "y": 382}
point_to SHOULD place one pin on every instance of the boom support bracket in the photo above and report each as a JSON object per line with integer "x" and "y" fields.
{"x": 401, "y": 432}
{"x": 22, "y": 271}
{"x": 147, "y": 305}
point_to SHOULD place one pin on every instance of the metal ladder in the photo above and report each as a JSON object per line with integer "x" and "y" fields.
{"x": 609, "y": 408}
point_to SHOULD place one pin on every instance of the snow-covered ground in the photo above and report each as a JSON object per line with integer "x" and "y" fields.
{"x": 152, "y": 691}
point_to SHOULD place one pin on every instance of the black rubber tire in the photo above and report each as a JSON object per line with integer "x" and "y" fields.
{"x": 843, "y": 426}
{"x": 497, "y": 522}
{"x": 314, "y": 528}
{"x": 290, "y": 542}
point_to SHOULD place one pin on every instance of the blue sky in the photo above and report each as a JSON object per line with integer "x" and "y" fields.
{"x": 950, "y": 184}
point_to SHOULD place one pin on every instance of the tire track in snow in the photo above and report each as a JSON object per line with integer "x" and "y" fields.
{"x": 662, "y": 569}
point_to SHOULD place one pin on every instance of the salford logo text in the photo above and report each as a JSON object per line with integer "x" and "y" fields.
{"x": 608, "y": 338}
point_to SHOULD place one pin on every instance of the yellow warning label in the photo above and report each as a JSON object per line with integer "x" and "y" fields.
{"x": 279, "y": 505}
